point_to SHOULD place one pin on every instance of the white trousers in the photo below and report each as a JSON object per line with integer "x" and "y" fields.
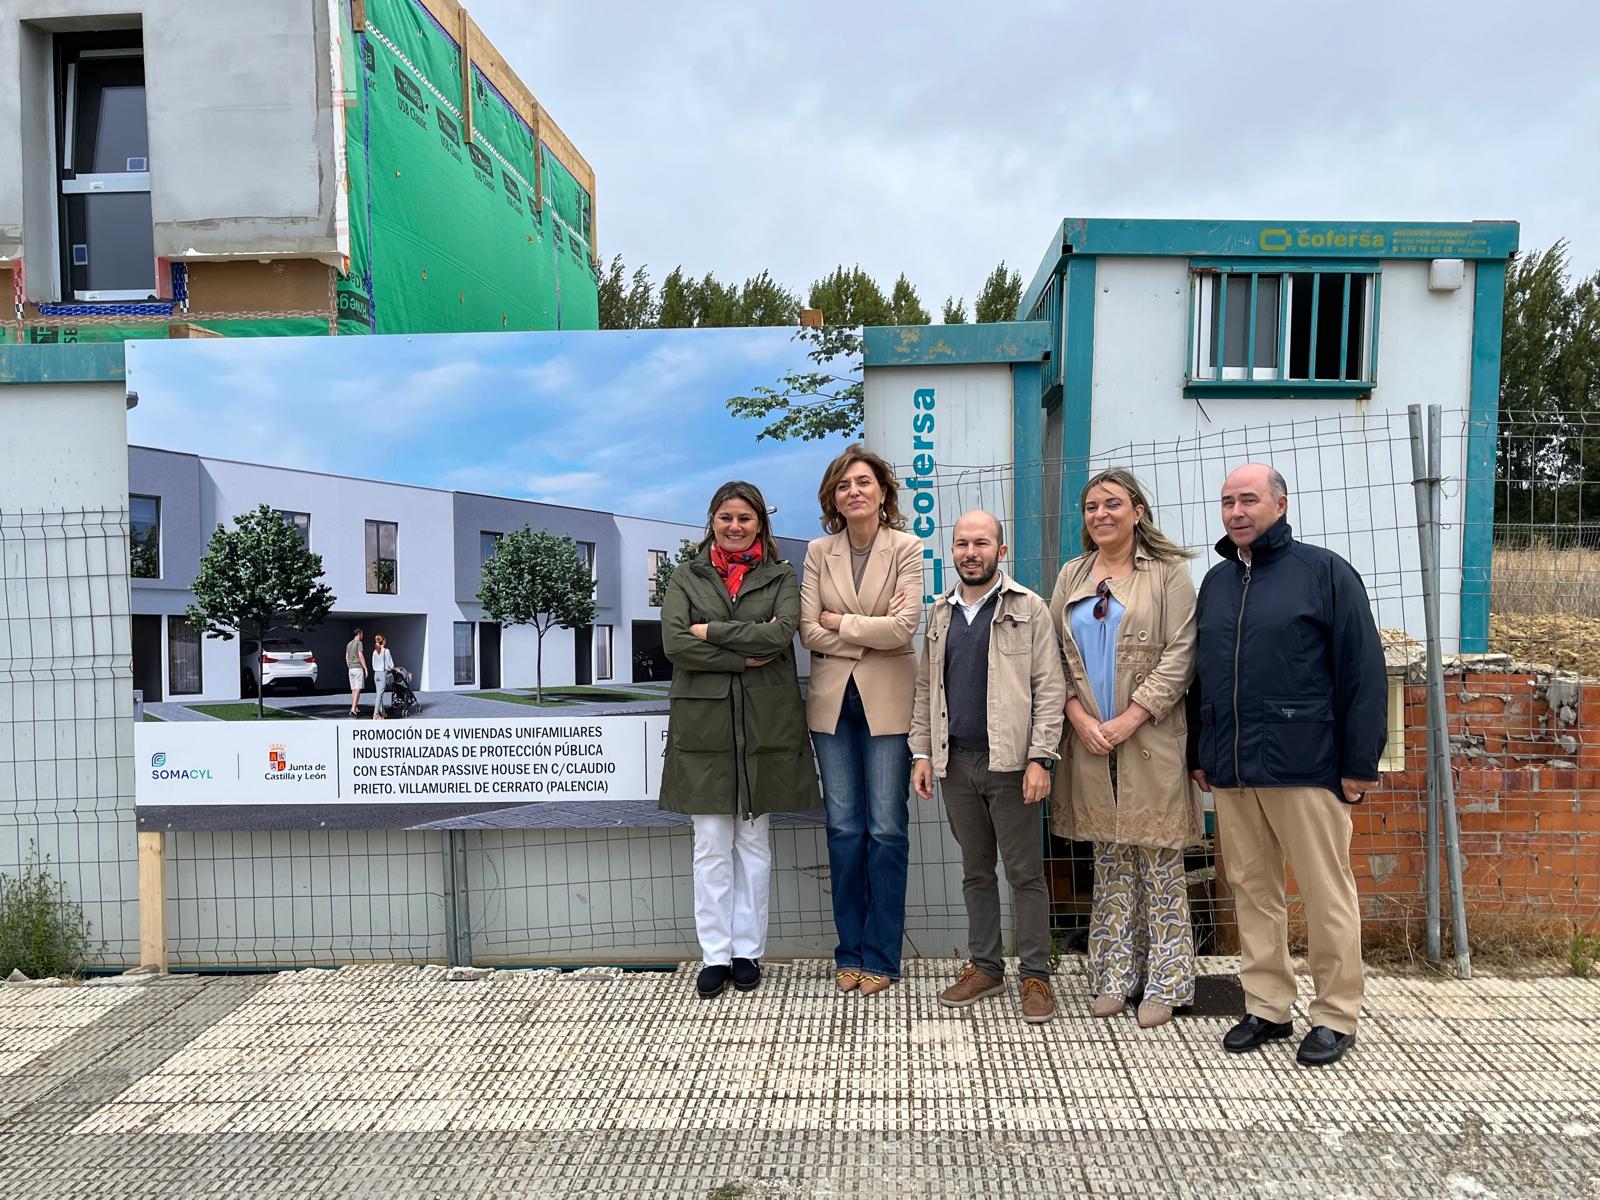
{"x": 732, "y": 874}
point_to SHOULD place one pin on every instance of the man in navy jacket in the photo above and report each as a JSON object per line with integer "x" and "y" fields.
{"x": 1288, "y": 719}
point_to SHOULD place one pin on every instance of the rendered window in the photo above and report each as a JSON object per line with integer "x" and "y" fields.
{"x": 657, "y": 560}
{"x": 602, "y": 652}
{"x": 465, "y": 669}
{"x": 144, "y": 537}
{"x": 488, "y": 543}
{"x": 1313, "y": 326}
{"x": 383, "y": 568}
{"x": 299, "y": 522}
{"x": 183, "y": 658}
{"x": 586, "y": 552}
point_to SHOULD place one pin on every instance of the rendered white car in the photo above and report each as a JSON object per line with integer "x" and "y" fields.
{"x": 283, "y": 661}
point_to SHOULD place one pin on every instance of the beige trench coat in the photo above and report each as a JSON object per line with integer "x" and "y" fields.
{"x": 1155, "y": 803}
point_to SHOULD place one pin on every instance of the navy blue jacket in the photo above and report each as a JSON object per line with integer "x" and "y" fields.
{"x": 1290, "y": 687}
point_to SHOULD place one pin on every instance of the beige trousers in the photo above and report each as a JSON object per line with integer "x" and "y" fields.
{"x": 1258, "y": 827}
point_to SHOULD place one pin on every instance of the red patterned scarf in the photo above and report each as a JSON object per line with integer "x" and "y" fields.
{"x": 734, "y": 567}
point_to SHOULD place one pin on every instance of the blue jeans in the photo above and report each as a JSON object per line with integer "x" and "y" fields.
{"x": 866, "y": 781}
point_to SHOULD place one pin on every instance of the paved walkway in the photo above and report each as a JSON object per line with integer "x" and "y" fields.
{"x": 393, "y": 1081}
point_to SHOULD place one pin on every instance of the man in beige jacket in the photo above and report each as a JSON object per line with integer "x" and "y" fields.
{"x": 987, "y": 722}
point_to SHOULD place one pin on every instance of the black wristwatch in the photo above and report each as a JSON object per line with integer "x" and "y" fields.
{"x": 1049, "y": 764}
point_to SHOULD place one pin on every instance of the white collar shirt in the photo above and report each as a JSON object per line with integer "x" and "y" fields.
{"x": 969, "y": 611}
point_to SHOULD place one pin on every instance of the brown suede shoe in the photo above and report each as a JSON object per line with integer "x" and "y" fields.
{"x": 1038, "y": 1004}
{"x": 971, "y": 985}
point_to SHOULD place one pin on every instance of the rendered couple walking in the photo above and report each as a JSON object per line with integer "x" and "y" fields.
{"x": 1267, "y": 689}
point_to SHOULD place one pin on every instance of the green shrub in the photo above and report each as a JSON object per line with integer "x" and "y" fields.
{"x": 42, "y": 930}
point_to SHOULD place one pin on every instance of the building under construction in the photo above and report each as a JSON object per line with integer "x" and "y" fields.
{"x": 295, "y": 167}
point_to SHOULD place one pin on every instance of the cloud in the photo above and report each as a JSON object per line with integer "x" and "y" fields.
{"x": 941, "y": 145}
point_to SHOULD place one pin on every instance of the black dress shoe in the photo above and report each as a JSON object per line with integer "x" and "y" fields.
{"x": 1252, "y": 1032}
{"x": 746, "y": 973}
{"x": 712, "y": 982}
{"x": 1323, "y": 1046}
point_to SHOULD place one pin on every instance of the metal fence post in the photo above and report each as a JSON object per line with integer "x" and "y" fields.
{"x": 1447, "y": 783}
{"x": 452, "y": 948}
{"x": 1426, "y": 484}
{"x": 1422, "y": 493}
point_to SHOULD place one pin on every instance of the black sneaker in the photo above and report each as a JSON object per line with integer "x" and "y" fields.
{"x": 1323, "y": 1046}
{"x": 746, "y": 974}
{"x": 1253, "y": 1032}
{"x": 712, "y": 982}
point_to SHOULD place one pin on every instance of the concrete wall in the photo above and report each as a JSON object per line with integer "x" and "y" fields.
{"x": 66, "y": 698}
{"x": 229, "y": 86}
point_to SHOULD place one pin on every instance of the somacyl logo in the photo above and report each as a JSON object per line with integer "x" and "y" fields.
{"x": 277, "y": 757}
{"x": 160, "y": 770}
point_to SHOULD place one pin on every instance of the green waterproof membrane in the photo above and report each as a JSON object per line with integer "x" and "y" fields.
{"x": 445, "y": 234}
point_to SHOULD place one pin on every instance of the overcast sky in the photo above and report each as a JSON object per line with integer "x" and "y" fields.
{"x": 938, "y": 138}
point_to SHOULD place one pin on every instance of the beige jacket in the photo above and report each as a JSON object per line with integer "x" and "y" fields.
{"x": 870, "y": 646}
{"x": 1154, "y": 803}
{"x": 1026, "y": 691}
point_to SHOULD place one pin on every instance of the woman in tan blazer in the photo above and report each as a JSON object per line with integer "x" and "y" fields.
{"x": 1124, "y": 612}
{"x": 860, "y": 600}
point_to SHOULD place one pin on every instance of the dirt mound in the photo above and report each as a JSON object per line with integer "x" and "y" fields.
{"x": 1566, "y": 641}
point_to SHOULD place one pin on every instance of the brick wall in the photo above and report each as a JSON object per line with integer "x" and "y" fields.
{"x": 1525, "y": 750}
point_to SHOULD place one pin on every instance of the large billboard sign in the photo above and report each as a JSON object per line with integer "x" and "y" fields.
{"x": 414, "y": 774}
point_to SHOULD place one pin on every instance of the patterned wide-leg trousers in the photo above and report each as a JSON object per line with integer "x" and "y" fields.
{"x": 1139, "y": 929}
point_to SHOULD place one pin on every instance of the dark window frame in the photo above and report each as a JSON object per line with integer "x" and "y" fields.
{"x": 372, "y": 543}
{"x": 136, "y": 543}
{"x": 176, "y": 627}
{"x": 471, "y": 658}
{"x": 287, "y": 514}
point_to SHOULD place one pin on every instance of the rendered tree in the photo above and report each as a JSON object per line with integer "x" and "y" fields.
{"x": 999, "y": 297}
{"x": 808, "y": 405}
{"x": 536, "y": 578}
{"x": 658, "y": 593}
{"x": 258, "y": 579}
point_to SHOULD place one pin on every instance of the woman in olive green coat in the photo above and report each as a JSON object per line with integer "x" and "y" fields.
{"x": 737, "y": 746}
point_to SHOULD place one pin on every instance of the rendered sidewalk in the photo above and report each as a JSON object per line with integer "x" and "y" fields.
{"x": 392, "y": 1081}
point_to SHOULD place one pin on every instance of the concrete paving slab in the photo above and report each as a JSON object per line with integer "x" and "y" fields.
{"x": 395, "y": 1080}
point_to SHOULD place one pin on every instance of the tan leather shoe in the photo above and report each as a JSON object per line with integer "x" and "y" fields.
{"x": 1153, "y": 1013}
{"x": 1038, "y": 1002}
{"x": 848, "y": 979}
{"x": 971, "y": 985}
{"x": 1109, "y": 1004}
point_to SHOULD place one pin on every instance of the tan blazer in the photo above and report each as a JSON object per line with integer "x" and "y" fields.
{"x": 1026, "y": 696}
{"x": 870, "y": 647}
{"x": 1153, "y": 804}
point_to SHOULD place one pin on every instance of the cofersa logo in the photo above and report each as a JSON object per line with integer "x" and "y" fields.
{"x": 160, "y": 770}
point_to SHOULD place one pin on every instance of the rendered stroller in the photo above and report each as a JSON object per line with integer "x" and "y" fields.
{"x": 399, "y": 700}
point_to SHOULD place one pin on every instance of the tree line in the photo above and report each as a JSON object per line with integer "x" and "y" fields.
{"x": 848, "y": 296}
{"x": 1548, "y": 460}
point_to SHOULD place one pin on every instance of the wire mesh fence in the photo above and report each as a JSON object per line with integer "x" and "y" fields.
{"x": 1525, "y": 734}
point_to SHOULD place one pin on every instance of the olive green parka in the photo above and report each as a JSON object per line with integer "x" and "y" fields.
{"x": 736, "y": 736}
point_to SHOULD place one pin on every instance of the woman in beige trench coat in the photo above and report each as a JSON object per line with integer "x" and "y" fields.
{"x": 1124, "y": 612}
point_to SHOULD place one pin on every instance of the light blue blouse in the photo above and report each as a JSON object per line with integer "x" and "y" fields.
{"x": 1097, "y": 642}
